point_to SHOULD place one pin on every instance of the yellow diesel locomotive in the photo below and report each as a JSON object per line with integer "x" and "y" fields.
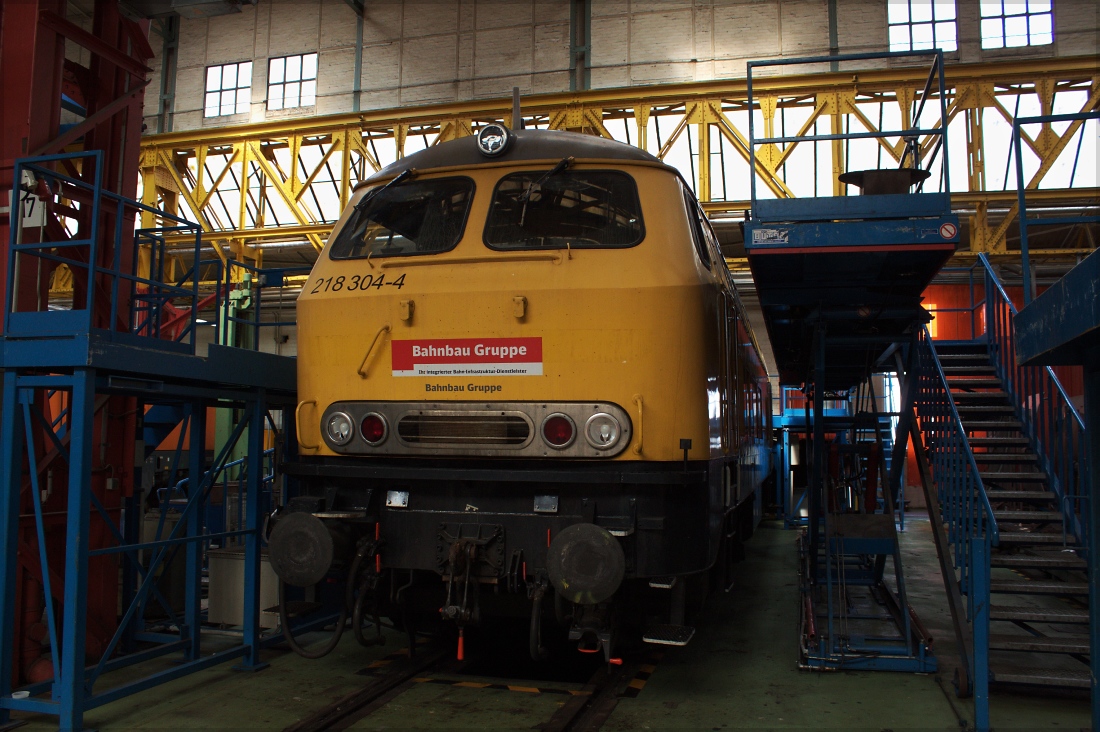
{"x": 524, "y": 374}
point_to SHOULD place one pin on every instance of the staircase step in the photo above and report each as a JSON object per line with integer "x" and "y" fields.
{"x": 1040, "y": 615}
{"x": 1023, "y": 496}
{"x": 1019, "y": 516}
{"x": 1012, "y": 477}
{"x": 965, "y": 409}
{"x": 1005, "y": 457}
{"x": 1061, "y": 560}
{"x": 967, "y": 381}
{"x": 669, "y": 635}
{"x": 998, "y": 441}
{"x": 953, "y": 370}
{"x": 1040, "y": 645}
{"x": 1026, "y": 538}
{"x": 960, "y": 396}
{"x": 1044, "y": 677}
{"x": 992, "y": 425}
{"x": 1040, "y": 587}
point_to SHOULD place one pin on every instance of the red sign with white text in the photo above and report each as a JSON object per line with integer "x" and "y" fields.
{"x": 467, "y": 357}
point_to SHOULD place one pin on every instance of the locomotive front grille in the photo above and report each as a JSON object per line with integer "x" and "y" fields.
{"x": 459, "y": 430}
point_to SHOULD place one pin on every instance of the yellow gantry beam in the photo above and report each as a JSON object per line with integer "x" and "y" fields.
{"x": 288, "y": 180}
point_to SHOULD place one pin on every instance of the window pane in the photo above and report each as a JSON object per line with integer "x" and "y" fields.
{"x": 921, "y": 10}
{"x": 1039, "y": 26}
{"x": 897, "y": 12}
{"x": 244, "y": 75}
{"x": 1038, "y": 6}
{"x": 899, "y": 38}
{"x": 1015, "y": 7}
{"x": 1041, "y": 39}
{"x": 275, "y": 71}
{"x": 294, "y": 68}
{"x": 991, "y": 33}
{"x": 309, "y": 66}
{"x": 291, "y": 94}
{"x": 945, "y": 9}
{"x": 922, "y": 36}
{"x": 945, "y": 36}
{"x": 229, "y": 101}
{"x": 229, "y": 76}
{"x": 211, "y": 104}
{"x": 1016, "y": 31}
{"x": 309, "y": 93}
{"x": 244, "y": 99}
{"x": 275, "y": 96}
{"x": 990, "y": 8}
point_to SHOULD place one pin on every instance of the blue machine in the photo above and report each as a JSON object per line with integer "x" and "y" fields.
{"x": 113, "y": 343}
{"x": 840, "y": 281}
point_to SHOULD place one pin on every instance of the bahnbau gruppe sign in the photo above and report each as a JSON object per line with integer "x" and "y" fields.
{"x": 467, "y": 357}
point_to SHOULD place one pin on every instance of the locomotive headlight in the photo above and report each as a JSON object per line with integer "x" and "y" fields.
{"x": 340, "y": 428}
{"x": 602, "y": 431}
{"x": 374, "y": 428}
{"x": 558, "y": 430}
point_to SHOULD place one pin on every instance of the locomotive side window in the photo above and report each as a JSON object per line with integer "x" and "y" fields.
{"x": 579, "y": 209}
{"x": 694, "y": 215}
{"x": 414, "y": 217}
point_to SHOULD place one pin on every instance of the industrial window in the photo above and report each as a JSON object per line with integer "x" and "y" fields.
{"x": 1013, "y": 23}
{"x": 228, "y": 89}
{"x": 292, "y": 81}
{"x": 921, "y": 25}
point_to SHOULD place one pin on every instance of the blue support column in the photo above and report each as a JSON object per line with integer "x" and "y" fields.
{"x": 71, "y": 685}
{"x": 192, "y": 611}
{"x": 1092, "y": 422}
{"x": 979, "y": 596}
{"x": 253, "y": 521}
{"x": 11, "y": 474}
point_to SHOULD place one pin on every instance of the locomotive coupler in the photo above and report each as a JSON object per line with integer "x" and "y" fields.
{"x": 592, "y": 629}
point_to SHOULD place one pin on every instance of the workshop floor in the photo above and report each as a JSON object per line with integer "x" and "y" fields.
{"x": 738, "y": 673}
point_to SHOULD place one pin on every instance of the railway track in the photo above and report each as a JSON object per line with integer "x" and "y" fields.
{"x": 586, "y": 709}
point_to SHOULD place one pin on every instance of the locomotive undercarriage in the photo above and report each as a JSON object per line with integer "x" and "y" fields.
{"x": 466, "y": 541}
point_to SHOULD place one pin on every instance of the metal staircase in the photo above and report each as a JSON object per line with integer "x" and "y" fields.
{"x": 1005, "y": 449}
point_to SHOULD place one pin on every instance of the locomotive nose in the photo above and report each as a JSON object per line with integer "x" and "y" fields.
{"x": 586, "y": 564}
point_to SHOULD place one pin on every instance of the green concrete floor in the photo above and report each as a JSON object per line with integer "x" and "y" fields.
{"x": 738, "y": 673}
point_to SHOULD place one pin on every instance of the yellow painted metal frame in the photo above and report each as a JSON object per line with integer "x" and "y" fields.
{"x": 200, "y": 169}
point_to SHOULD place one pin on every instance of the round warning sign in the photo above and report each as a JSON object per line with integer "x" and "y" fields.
{"x": 948, "y": 231}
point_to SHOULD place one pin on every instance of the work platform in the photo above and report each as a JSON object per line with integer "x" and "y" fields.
{"x": 77, "y": 378}
{"x": 840, "y": 283}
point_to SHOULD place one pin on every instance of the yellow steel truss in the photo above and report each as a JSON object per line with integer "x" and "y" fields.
{"x": 288, "y": 180}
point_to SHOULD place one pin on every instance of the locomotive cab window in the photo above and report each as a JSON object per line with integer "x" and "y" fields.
{"x": 577, "y": 209}
{"x": 413, "y": 217}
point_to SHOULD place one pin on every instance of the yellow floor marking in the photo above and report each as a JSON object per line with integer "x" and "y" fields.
{"x": 637, "y": 683}
{"x": 648, "y": 668}
{"x": 528, "y": 689}
{"x": 472, "y": 684}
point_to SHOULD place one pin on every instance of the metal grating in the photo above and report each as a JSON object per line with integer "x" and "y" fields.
{"x": 488, "y": 430}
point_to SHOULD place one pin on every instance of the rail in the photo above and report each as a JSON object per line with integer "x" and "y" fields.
{"x": 967, "y": 514}
{"x": 79, "y": 223}
{"x": 1052, "y": 424}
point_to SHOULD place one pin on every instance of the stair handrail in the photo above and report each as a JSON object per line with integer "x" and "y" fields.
{"x": 1053, "y": 426}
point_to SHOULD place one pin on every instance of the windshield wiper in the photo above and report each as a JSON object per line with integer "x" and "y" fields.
{"x": 403, "y": 176}
{"x": 526, "y": 195}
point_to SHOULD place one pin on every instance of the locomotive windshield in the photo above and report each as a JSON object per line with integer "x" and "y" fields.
{"x": 581, "y": 209}
{"x": 415, "y": 217}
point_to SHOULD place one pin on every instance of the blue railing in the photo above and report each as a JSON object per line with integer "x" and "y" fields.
{"x": 967, "y": 514}
{"x": 113, "y": 293}
{"x": 1050, "y": 421}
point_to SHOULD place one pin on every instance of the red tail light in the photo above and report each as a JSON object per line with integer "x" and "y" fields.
{"x": 373, "y": 428}
{"x": 558, "y": 431}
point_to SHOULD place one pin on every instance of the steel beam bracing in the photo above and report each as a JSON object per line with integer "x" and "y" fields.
{"x": 300, "y": 172}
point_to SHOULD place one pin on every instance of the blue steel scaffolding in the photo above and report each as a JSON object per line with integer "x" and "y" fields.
{"x": 111, "y": 341}
{"x": 840, "y": 281}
